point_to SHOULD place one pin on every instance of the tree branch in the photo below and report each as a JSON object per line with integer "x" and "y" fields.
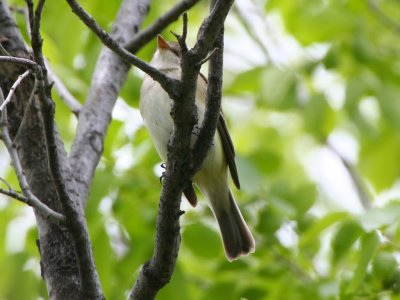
{"x": 158, "y": 270}
{"x": 17, "y": 196}
{"x": 65, "y": 95}
{"x": 12, "y": 90}
{"x": 29, "y": 198}
{"x": 95, "y": 116}
{"x": 383, "y": 17}
{"x": 146, "y": 35}
{"x": 73, "y": 210}
{"x": 59, "y": 266}
{"x": 213, "y": 108}
{"x": 359, "y": 186}
{"x": 18, "y": 60}
{"x": 169, "y": 84}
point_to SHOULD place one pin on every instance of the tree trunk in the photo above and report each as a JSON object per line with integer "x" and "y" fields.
{"x": 58, "y": 258}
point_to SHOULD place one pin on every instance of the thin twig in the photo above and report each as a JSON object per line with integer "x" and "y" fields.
{"x": 213, "y": 108}
{"x": 6, "y": 183}
{"x": 182, "y": 38}
{"x": 12, "y": 90}
{"x": 144, "y": 36}
{"x": 72, "y": 103}
{"x": 13, "y": 194}
{"x": 169, "y": 84}
{"x": 43, "y": 209}
{"x": 3, "y": 51}
{"x": 363, "y": 196}
{"x": 18, "y": 60}
{"x": 383, "y": 17}
{"x": 207, "y": 58}
{"x": 250, "y": 29}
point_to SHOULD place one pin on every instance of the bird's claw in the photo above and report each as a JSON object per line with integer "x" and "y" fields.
{"x": 162, "y": 177}
{"x": 196, "y": 130}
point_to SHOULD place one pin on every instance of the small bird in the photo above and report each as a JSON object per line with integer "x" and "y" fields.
{"x": 212, "y": 178}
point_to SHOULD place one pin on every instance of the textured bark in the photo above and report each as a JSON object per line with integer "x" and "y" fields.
{"x": 58, "y": 260}
{"x": 66, "y": 255}
{"x": 180, "y": 169}
{"x": 108, "y": 78}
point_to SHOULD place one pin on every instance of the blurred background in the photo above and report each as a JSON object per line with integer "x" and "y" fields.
{"x": 311, "y": 97}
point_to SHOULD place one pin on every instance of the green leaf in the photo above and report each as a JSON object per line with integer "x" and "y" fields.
{"x": 379, "y": 217}
{"x": 388, "y": 96}
{"x": 369, "y": 246}
{"x": 319, "y": 118}
{"x": 246, "y": 82}
{"x": 384, "y": 266}
{"x": 380, "y": 160}
{"x": 314, "y": 231}
{"x": 345, "y": 236}
{"x": 314, "y": 21}
{"x": 278, "y": 88}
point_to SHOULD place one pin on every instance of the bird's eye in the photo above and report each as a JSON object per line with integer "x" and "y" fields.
{"x": 176, "y": 52}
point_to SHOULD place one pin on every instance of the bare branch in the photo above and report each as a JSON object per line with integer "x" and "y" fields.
{"x": 95, "y": 116}
{"x": 12, "y": 90}
{"x": 182, "y": 38}
{"x": 158, "y": 270}
{"x": 383, "y": 17}
{"x": 31, "y": 199}
{"x": 73, "y": 104}
{"x": 17, "y": 196}
{"x": 211, "y": 27}
{"x": 207, "y": 58}
{"x": 44, "y": 210}
{"x": 37, "y": 42}
{"x": 169, "y": 84}
{"x": 213, "y": 108}
{"x": 1, "y": 179}
{"x": 26, "y": 129}
{"x": 146, "y": 35}
{"x": 18, "y": 60}
{"x": 3, "y": 51}
{"x": 363, "y": 196}
{"x": 73, "y": 210}
{"x": 250, "y": 29}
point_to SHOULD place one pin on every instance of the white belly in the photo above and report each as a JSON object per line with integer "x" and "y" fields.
{"x": 155, "y": 109}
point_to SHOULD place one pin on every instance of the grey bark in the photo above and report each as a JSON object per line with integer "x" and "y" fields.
{"x": 66, "y": 260}
{"x": 58, "y": 261}
{"x": 109, "y": 76}
{"x": 62, "y": 266}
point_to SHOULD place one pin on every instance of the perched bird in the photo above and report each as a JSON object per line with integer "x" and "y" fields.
{"x": 212, "y": 178}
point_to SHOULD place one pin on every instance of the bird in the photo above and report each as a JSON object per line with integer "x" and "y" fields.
{"x": 212, "y": 177}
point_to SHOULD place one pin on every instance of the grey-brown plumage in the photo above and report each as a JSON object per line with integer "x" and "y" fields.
{"x": 212, "y": 178}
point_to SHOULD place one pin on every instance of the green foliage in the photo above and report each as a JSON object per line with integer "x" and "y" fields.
{"x": 309, "y": 246}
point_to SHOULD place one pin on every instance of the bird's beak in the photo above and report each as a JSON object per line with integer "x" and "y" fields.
{"x": 162, "y": 43}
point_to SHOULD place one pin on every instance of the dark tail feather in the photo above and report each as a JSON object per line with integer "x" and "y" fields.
{"x": 236, "y": 235}
{"x": 190, "y": 194}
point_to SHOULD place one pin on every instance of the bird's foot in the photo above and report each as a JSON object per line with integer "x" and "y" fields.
{"x": 196, "y": 130}
{"x": 163, "y": 165}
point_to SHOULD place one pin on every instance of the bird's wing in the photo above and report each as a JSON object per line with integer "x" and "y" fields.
{"x": 229, "y": 149}
{"x": 190, "y": 194}
{"x": 226, "y": 140}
